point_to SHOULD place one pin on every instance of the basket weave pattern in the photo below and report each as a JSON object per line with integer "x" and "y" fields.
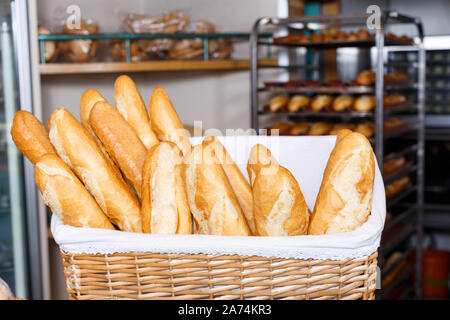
{"x": 185, "y": 276}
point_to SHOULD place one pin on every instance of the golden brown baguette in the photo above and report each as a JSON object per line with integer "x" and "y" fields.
{"x": 278, "y": 102}
{"x": 344, "y": 201}
{"x": 165, "y": 122}
{"x": 66, "y": 196}
{"x": 364, "y": 103}
{"x": 279, "y": 206}
{"x": 238, "y": 183}
{"x": 211, "y": 199}
{"x": 165, "y": 207}
{"x": 297, "y": 102}
{"x": 342, "y": 102}
{"x": 131, "y": 106}
{"x": 80, "y": 152}
{"x": 30, "y": 136}
{"x": 120, "y": 141}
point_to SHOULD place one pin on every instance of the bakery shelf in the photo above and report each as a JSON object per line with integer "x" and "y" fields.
{"x": 408, "y": 190}
{"x": 406, "y": 272}
{"x": 400, "y": 132}
{"x": 405, "y": 151}
{"x": 407, "y": 169}
{"x": 405, "y": 255}
{"x": 395, "y": 236}
{"x": 401, "y": 217}
{"x": 147, "y": 66}
{"x": 335, "y": 44}
{"x": 320, "y": 89}
{"x": 320, "y": 114}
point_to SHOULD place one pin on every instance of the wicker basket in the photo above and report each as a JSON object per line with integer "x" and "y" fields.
{"x": 185, "y": 276}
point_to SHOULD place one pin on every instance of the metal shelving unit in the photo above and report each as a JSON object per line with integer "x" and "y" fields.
{"x": 408, "y": 203}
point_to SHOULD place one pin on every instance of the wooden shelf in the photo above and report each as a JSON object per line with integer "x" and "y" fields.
{"x": 148, "y": 66}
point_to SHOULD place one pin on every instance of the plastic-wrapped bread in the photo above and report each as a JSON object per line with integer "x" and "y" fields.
{"x": 364, "y": 103}
{"x": 79, "y": 150}
{"x": 120, "y": 141}
{"x": 66, "y": 195}
{"x": 165, "y": 122}
{"x": 278, "y": 102}
{"x": 132, "y": 107}
{"x": 344, "y": 201}
{"x": 298, "y": 102}
{"x": 165, "y": 207}
{"x": 279, "y": 206}
{"x": 212, "y": 202}
{"x": 30, "y": 136}
{"x": 238, "y": 183}
{"x": 342, "y": 102}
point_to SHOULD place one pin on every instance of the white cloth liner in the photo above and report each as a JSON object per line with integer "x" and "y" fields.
{"x": 305, "y": 157}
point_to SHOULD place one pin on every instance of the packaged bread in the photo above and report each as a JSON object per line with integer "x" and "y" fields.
{"x": 299, "y": 129}
{"x": 392, "y": 99}
{"x": 79, "y": 150}
{"x": 165, "y": 122}
{"x": 396, "y": 186}
{"x": 118, "y": 50}
{"x": 342, "y": 102}
{"x": 165, "y": 207}
{"x": 367, "y": 128}
{"x": 279, "y": 206}
{"x": 212, "y": 201}
{"x": 120, "y": 141}
{"x": 66, "y": 196}
{"x": 278, "y": 102}
{"x": 364, "y": 103}
{"x": 298, "y": 102}
{"x": 341, "y": 126}
{"x": 344, "y": 201}
{"x": 366, "y": 78}
{"x": 319, "y": 128}
{"x": 237, "y": 181}
{"x": 321, "y": 101}
{"x": 131, "y": 106}
{"x": 49, "y": 46}
{"x": 30, "y": 136}
{"x": 80, "y": 50}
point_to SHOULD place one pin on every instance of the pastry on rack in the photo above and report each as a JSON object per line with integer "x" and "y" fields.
{"x": 396, "y": 76}
{"x": 316, "y": 37}
{"x": 340, "y": 35}
{"x": 352, "y": 36}
{"x": 365, "y": 128}
{"x": 320, "y": 102}
{"x": 363, "y": 34}
{"x": 395, "y": 124}
{"x": 364, "y": 103}
{"x": 328, "y": 37}
{"x": 298, "y": 102}
{"x": 342, "y": 102}
{"x": 394, "y": 164}
{"x": 396, "y": 186}
{"x": 298, "y": 129}
{"x": 319, "y": 129}
{"x": 393, "y": 99}
{"x": 366, "y": 78}
{"x": 278, "y": 102}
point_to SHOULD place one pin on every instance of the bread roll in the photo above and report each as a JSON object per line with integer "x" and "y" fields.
{"x": 165, "y": 207}
{"x": 396, "y": 186}
{"x": 394, "y": 164}
{"x": 278, "y": 102}
{"x": 211, "y": 199}
{"x": 392, "y": 99}
{"x": 237, "y": 181}
{"x": 344, "y": 201}
{"x": 341, "y": 126}
{"x": 366, "y": 78}
{"x": 80, "y": 152}
{"x": 131, "y": 106}
{"x": 298, "y": 102}
{"x": 299, "y": 129}
{"x": 320, "y": 102}
{"x": 120, "y": 141}
{"x": 165, "y": 122}
{"x": 364, "y": 103}
{"x": 342, "y": 102}
{"x": 49, "y": 46}
{"x": 279, "y": 206}
{"x": 319, "y": 128}
{"x": 30, "y": 136}
{"x": 363, "y": 34}
{"x": 366, "y": 128}
{"x": 66, "y": 195}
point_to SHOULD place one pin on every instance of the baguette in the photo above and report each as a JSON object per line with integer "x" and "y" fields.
{"x": 278, "y": 102}
{"x": 364, "y": 103}
{"x": 131, "y": 106}
{"x": 80, "y": 152}
{"x": 299, "y": 129}
{"x": 344, "y": 201}
{"x": 165, "y": 207}
{"x": 279, "y": 206}
{"x": 30, "y": 136}
{"x": 298, "y": 102}
{"x": 342, "y": 102}
{"x": 211, "y": 199}
{"x": 319, "y": 128}
{"x": 165, "y": 122}
{"x": 66, "y": 196}
{"x": 237, "y": 181}
{"x": 366, "y": 78}
{"x": 120, "y": 141}
{"x": 320, "y": 102}
{"x": 341, "y": 126}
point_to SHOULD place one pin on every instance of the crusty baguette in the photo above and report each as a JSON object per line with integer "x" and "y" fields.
{"x": 76, "y": 146}
{"x": 165, "y": 207}
{"x": 212, "y": 202}
{"x": 165, "y": 122}
{"x": 66, "y": 196}
{"x": 131, "y": 106}
{"x": 344, "y": 201}
{"x": 279, "y": 206}
{"x": 238, "y": 183}
{"x": 342, "y": 102}
{"x": 320, "y": 102}
{"x": 364, "y": 103}
{"x": 278, "y": 102}
{"x": 30, "y": 136}
{"x": 298, "y": 101}
{"x": 120, "y": 141}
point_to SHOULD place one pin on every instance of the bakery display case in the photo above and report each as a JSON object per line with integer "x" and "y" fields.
{"x": 384, "y": 100}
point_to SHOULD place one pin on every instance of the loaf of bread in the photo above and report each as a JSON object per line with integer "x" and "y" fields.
{"x": 396, "y": 186}
{"x": 211, "y": 198}
{"x": 344, "y": 201}
{"x": 66, "y": 195}
{"x": 279, "y": 206}
{"x": 132, "y": 107}
{"x": 364, "y": 103}
{"x": 342, "y": 102}
{"x": 30, "y": 136}
{"x": 393, "y": 99}
{"x": 365, "y": 128}
{"x": 49, "y": 46}
{"x": 165, "y": 207}
{"x": 366, "y": 78}
{"x": 319, "y": 128}
{"x": 282, "y": 127}
{"x": 237, "y": 181}
{"x": 320, "y": 102}
{"x": 298, "y": 102}
{"x": 341, "y": 126}
{"x": 165, "y": 122}
{"x": 278, "y": 102}
{"x": 299, "y": 129}
{"x": 76, "y": 146}
{"x": 120, "y": 141}
{"x": 394, "y": 164}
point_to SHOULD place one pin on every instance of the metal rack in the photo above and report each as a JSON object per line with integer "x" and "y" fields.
{"x": 409, "y": 202}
